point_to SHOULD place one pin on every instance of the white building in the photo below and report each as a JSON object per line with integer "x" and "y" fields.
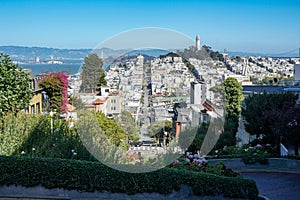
{"x": 296, "y": 72}
{"x": 198, "y": 93}
{"x": 113, "y": 105}
{"x": 197, "y": 42}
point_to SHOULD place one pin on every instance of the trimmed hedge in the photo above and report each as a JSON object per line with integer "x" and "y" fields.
{"x": 93, "y": 176}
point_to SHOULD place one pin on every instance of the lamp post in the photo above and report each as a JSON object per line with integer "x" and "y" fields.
{"x": 51, "y": 121}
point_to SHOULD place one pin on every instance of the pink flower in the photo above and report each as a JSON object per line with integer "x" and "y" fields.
{"x": 176, "y": 162}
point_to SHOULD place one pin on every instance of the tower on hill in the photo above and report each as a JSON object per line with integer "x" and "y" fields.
{"x": 197, "y": 43}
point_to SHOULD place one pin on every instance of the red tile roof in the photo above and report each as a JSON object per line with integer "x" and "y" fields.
{"x": 99, "y": 101}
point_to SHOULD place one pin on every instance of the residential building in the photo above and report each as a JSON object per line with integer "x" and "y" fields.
{"x": 296, "y": 72}
{"x": 113, "y": 106}
{"x": 198, "y": 92}
{"x": 38, "y": 102}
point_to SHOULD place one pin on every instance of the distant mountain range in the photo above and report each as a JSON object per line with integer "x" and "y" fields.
{"x": 19, "y": 53}
{"x": 25, "y": 54}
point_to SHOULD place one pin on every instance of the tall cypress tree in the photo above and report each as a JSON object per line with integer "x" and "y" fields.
{"x": 92, "y": 73}
{"x": 233, "y": 99}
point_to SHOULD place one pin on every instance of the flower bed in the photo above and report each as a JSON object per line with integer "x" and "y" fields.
{"x": 198, "y": 164}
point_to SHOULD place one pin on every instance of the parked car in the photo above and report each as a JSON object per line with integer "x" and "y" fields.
{"x": 149, "y": 143}
{"x": 136, "y": 144}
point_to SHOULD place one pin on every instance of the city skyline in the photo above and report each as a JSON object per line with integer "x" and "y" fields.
{"x": 249, "y": 26}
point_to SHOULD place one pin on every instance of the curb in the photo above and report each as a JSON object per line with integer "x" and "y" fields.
{"x": 266, "y": 198}
{"x": 33, "y": 197}
{"x": 266, "y": 170}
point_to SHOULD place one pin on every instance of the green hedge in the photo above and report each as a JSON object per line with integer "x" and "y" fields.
{"x": 92, "y": 176}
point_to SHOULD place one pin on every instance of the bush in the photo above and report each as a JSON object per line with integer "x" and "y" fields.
{"x": 255, "y": 155}
{"x": 14, "y": 130}
{"x": 92, "y": 176}
{"x": 30, "y": 136}
{"x": 249, "y": 154}
{"x": 197, "y": 164}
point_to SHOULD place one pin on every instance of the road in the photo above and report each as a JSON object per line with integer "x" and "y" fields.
{"x": 144, "y": 129}
{"x": 276, "y": 185}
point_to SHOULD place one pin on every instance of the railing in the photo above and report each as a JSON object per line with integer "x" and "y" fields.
{"x": 283, "y": 150}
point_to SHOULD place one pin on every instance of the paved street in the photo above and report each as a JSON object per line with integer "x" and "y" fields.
{"x": 276, "y": 185}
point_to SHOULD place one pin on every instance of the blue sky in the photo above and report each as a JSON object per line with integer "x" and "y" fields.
{"x": 267, "y": 26}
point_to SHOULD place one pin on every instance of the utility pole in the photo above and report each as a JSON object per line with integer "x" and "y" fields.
{"x": 299, "y": 52}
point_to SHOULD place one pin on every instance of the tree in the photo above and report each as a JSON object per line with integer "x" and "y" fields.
{"x": 111, "y": 129}
{"x": 293, "y": 127}
{"x": 15, "y": 93}
{"x": 233, "y": 98}
{"x": 56, "y": 87}
{"x": 198, "y": 140}
{"x": 128, "y": 126}
{"x": 102, "y": 80}
{"x": 92, "y": 74}
{"x": 282, "y": 118}
{"x": 255, "y": 105}
{"x": 158, "y": 128}
{"x": 76, "y": 101}
{"x": 272, "y": 116}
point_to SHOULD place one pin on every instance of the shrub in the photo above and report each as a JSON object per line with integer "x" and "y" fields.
{"x": 93, "y": 176}
{"x": 14, "y": 130}
{"x": 30, "y": 136}
{"x": 197, "y": 164}
{"x": 255, "y": 155}
{"x": 249, "y": 154}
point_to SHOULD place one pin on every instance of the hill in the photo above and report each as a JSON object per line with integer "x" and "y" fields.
{"x": 19, "y": 53}
{"x": 25, "y": 54}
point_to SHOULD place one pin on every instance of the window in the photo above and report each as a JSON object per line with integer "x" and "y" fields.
{"x": 204, "y": 118}
{"x": 38, "y": 108}
{"x": 32, "y": 109}
{"x": 113, "y": 100}
{"x": 113, "y": 108}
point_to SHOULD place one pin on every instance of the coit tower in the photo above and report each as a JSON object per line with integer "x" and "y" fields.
{"x": 197, "y": 42}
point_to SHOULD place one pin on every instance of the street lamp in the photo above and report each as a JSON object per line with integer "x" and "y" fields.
{"x": 51, "y": 121}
